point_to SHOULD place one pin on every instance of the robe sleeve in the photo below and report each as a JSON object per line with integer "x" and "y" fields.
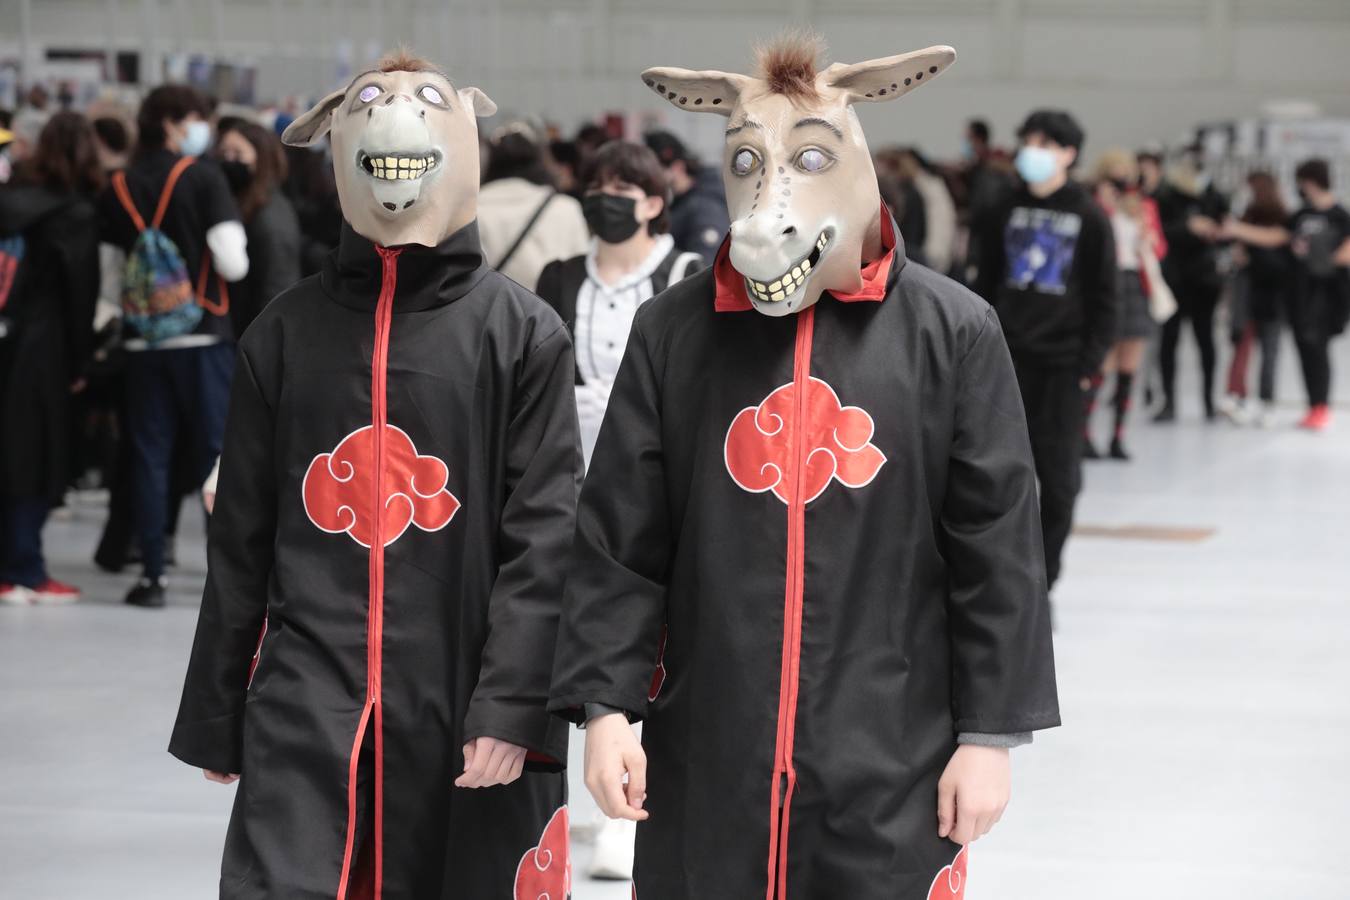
{"x": 543, "y": 469}
{"x": 210, "y": 727}
{"x": 615, "y": 603}
{"x": 1003, "y": 670}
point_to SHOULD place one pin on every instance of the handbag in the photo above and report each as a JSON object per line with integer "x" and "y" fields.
{"x": 1162, "y": 303}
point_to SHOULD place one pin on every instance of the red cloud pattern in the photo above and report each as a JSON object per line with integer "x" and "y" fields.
{"x": 838, "y": 440}
{"x": 338, "y": 488}
{"x": 545, "y": 871}
{"x": 950, "y": 883}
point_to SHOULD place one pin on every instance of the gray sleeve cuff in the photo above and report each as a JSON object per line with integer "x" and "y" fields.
{"x": 595, "y": 710}
{"x": 1007, "y": 741}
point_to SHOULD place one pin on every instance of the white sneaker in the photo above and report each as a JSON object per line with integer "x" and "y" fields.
{"x": 1230, "y": 407}
{"x": 1265, "y": 417}
{"x": 16, "y": 595}
{"x": 613, "y": 858}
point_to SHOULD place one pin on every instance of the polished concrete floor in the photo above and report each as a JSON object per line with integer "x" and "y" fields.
{"x": 1203, "y": 669}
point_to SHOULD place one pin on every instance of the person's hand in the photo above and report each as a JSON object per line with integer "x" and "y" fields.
{"x": 973, "y": 792}
{"x": 1203, "y": 227}
{"x": 612, "y": 751}
{"x": 219, "y": 777}
{"x": 488, "y": 762}
{"x": 1300, "y": 247}
{"x": 78, "y": 385}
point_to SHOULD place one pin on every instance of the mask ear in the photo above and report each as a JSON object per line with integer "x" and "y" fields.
{"x": 708, "y": 91}
{"x": 889, "y": 77}
{"x": 313, "y": 125}
{"x": 480, "y": 102}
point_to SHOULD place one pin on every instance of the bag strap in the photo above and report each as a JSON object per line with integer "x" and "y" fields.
{"x": 525, "y": 232}
{"x": 119, "y": 183}
{"x": 686, "y": 261}
{"x": 164, "y": 195}
{"x": 215, "y": 309}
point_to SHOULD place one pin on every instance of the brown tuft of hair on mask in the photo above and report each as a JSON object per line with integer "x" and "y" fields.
{"x": 787, "y": 64}
{"x": 404, "y": 60}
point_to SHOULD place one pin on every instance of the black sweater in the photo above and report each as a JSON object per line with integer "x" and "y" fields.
{"x": 1048, "y": 266}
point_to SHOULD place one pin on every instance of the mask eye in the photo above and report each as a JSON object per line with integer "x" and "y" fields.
{"x": 813, "y": 160}
{"x": 369, "y": 93}
{"x": 431, "y": 95}
{"x": 745, "y": 161}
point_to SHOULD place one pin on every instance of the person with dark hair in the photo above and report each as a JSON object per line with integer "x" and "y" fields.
{"x": 254, "y": 164}
{"x": 49, "y": 280}
{"x": 178, "y": 369}
{"x": 524, "y": 222}
{"x": 1259, "y": 289}
{"x": 698, "y": 212}
{"x": 975, "y": 144}
{"x": 626, "y": 202}
{"x": 564, "y": 161}
{"x": 1191, "y": 211}
{"x": 1048, "y": 266}
{"x": 1319, "y": 297}
{"x": 113, "y": 141}
{"x": 1150, "y": 171}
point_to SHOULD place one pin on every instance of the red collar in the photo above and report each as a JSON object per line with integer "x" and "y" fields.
{"x": 732, "y": 297}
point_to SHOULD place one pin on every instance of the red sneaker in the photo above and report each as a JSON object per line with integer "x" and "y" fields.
{"x": 53, "y": 591}
{"x": 1317, "y": 419}
{"x": 15, "y": 594}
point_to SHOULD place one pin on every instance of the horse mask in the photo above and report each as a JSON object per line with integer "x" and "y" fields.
{"x": 405, "y": 151}
{"x": 802, "y": 193}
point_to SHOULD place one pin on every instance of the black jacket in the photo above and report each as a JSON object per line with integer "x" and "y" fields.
{"x": 50, "y": 314}
{"x": 1048, "y": 266}
{"x": 428, "y": 626}
{"x": 808, "y": 554}
{"x": 698, "y": 217}
{"x": 274, "y": 244}
{"x": 1192, "y": 263}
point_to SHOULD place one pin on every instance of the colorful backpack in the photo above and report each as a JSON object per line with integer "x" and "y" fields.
{"x": 11, "y": 254}
{"x": 158, "y": 301}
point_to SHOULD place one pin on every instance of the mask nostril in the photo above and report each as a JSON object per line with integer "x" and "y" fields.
{"x": 789, "y": 231}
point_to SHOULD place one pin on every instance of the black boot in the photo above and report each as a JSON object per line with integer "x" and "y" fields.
{"x": 147, "y": 594}
{"x": 1090, "y": 449}
{"x": 1118, "y": 451}
{"x": 1167, "y": 414}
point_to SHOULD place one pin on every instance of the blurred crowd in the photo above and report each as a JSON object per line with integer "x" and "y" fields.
{"x": 596, "y": 225}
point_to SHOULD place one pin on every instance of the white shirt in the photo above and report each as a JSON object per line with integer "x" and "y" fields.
{"x": 604, "y": 317}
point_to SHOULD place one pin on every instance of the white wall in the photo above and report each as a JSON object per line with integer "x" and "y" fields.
{"x": 1132, "y": 70}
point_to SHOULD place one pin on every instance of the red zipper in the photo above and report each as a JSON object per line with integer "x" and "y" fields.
{"x": 379, "y": 372}
{"x": 784, "y": 772}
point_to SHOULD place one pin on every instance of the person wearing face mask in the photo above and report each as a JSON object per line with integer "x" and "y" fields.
{"x": 1048, "y": 267}
{"x": 631, "y": 259}
{"x": 1191, "y": 211}
{"x": 255, "y": 167}
{"x": 1139, "y": 246}
{"x": 176, "y": 386}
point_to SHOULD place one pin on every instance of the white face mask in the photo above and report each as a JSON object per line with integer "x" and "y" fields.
{"x": 197, "y": 139}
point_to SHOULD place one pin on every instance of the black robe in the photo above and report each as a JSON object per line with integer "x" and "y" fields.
{"x": 822, "y": 631}
{"x": 375, "y": 666}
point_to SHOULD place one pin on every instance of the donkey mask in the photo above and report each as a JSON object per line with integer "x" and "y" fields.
{"x": 801, "y": 190}
{"x": 405, "y": 151}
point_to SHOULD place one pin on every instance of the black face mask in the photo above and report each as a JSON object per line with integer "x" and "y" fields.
{"x": 1123, "y": 185}
{"x": 611, "y": 218}
{"x": 239, "y": 175}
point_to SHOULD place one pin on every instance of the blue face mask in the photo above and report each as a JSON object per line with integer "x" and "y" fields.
{"x": 967, "y": 150}
{"x": 1036, "y": 164}
{"x": 197, "y": 140}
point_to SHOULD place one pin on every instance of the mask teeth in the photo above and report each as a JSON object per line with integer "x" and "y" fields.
{"x": 788, "y": 284}
{"x": 400, "y": 168}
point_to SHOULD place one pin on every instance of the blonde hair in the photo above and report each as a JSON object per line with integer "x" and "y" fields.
{"x": 1118, "y": 162}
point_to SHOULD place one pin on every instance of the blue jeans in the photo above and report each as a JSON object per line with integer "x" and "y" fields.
{"x": 175, "y": 398}
{"x": 21, "y": 521}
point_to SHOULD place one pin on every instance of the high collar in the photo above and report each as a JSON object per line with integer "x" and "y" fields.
{"x": 427, "y": 276}
{"x": 878, "y": 275}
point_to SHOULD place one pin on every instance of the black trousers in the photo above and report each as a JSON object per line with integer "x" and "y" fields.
{"x": 1197, "y": 303}
{"x": 174, "y": 398}
{"x": 1053, "y": 398}
{"x": 1314, "y": 353}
